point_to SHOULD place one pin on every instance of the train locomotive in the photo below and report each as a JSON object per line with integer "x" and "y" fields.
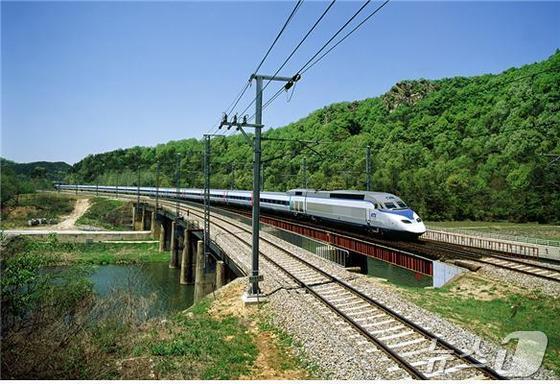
{"x": 377, "y": 212}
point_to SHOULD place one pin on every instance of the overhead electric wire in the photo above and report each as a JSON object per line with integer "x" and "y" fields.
{"x": 292, "y": 53}
{"x": 236, "y": 100}
{"x": 335, "y": 35}
{"x": 248, "y": 83}
{"x": 298, "y": 4}
{"x": 344, "y": 37}
{"x": 305, "y": 69}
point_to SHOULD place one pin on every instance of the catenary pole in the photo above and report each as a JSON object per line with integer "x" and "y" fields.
{"x": 368, "y": 168}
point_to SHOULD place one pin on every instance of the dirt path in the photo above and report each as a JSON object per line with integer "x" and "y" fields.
{"x": 69, "y": 221}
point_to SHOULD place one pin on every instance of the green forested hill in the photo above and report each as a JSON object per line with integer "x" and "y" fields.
{"x": 458, "y": 148}
{"x": 17, "y": 178}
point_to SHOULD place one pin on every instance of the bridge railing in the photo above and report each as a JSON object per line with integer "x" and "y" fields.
{"x": 484, "y": 243}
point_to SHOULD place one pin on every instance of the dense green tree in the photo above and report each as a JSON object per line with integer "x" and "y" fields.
{"x": 458, "y": 148}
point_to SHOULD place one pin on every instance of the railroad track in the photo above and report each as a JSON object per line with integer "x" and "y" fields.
{"x": 431, "y": 249}
{"x": 516, "y": 264}
{"x": 436, "y": 250}
{"x": 422, "y": 354}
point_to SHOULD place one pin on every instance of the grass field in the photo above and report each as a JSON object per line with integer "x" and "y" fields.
{"x": 48, "y": 205}
{"x": 534, "y": 230}
{"x": 92, "y": 253}
{"x": 108, "y": 214}
{"x": 493, "y": 310}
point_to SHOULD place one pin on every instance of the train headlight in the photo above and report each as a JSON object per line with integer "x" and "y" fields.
{"x": 406, "y": 221}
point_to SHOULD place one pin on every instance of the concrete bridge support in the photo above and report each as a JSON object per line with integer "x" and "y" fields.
{"x": 199, "y": 274}
{"x": 134, "y": 217}
{"x": 187, "y": 257}
{"x": 143, "y": 219}
{"x": 153, "y": 224}
{"x": 220, "y": 274}
{"x": 161, "y": 237}
{"x": 173, "y": 246}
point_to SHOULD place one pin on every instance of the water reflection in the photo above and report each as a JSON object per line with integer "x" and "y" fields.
{"x": 154, "y": 282}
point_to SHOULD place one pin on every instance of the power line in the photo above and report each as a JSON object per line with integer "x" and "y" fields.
{"x": 293, "y": 52}
{"x": 305, "y": 69}
{"x": 232, "y": 106}
{"x": 335, "y": 35}
{"x": 298, "y": 4}
{"x": 345, "y": 36}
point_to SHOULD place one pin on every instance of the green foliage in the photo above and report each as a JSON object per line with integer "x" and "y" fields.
{"x": 223, "y": 348}
{"x": 108, "y": 214}
{"x": 18, "y": 210}
{"x": 457, "y": 148}
{"x": 18, "y": 178}
{"x": 54, "y": 253}
{"x": 28, "y": 287}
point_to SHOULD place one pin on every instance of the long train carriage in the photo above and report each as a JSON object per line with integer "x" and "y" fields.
{"x": 376, "y": 211}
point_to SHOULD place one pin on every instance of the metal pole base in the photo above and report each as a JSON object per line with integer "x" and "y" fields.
{"x": 250, "y": 298}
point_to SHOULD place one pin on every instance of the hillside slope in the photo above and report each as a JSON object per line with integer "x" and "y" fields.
{"x": 17, "y": 178}
{"x": 457, "y": 148}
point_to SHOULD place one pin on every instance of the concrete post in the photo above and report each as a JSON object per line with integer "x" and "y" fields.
{"x": 186, "y": 258}
{"x": 143, "y": 222}
{"x": 133, "y": 217}
{"x": 161, "y": 238}
{"x": 173, "y": 247}
{"x": 220, "y": 274}
{"x": 153, "y": 224}
{"x": 199, "y": 274}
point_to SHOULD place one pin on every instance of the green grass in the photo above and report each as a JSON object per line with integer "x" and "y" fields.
{"x": 94, "y": 253}
{"x": 198, "y": 346}
{"x": 107, "y": 214}
{"x": 49, "y": 205}
{"x": 498, "y": 317}
{"x": 534, "y": 230}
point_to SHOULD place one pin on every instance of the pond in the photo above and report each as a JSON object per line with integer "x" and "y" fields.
{"x": 155, "y": 281}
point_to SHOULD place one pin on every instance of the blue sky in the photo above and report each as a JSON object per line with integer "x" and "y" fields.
{"x": 89, "y": 77}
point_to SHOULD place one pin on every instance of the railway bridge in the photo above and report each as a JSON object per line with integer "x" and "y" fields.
{"x": 293, "y": 277}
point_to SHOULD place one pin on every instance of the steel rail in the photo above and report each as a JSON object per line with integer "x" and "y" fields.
{"x": 374, "y": 303}
{"x": 401, "y": 361}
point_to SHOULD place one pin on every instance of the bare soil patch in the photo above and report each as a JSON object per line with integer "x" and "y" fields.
{"x": 270, "y": 359}
{"x": 69, "y": 222}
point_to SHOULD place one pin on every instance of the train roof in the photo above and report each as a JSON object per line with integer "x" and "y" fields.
{"x": 344, "y": 194}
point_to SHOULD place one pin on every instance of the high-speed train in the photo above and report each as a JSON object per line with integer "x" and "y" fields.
{"x": 378, "y": 212}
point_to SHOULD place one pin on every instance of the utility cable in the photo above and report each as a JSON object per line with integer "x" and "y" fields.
{"x": 292, "y": 53}
{"x": 335, "y": 35}
{"x": 344, "y": 38}
{"x": 290, "y": 17}
{"x": 305, "y": 69}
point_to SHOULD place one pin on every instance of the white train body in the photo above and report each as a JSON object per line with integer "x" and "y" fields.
{"x": 376, "y": 211}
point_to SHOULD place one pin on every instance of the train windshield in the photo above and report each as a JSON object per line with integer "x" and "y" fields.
{"x": 398, "y": 204}
{"x": 401, "y": 204}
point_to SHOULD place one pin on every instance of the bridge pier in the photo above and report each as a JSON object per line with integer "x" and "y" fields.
{"x": 153, "y": 224}
{"x": 173, "y": 246}
{"x": 220, "y": 274}
{"x": 187, "y": 257}
{"x": 161, "y": 238}
{"x": 143, "y": 219}
{"x": 199, "y": 273}
{"x": 133, "y": 217}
